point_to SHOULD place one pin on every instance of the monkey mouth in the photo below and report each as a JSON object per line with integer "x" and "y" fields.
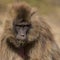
{"x": 18, "y": 43}
{"x": 15, "y": 42}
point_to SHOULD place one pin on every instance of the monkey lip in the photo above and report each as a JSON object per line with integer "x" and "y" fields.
{"x": 21, "y": 41}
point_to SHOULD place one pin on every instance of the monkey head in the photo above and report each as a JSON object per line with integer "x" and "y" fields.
{"x": 25, "y": 25}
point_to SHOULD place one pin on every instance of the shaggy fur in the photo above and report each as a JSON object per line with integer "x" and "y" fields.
{"x": 41, "y": 44}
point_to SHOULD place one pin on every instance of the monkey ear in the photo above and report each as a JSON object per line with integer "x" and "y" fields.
{"x": 33, "y": 11}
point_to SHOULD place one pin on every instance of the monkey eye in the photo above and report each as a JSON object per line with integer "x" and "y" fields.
{"x": 23, "y": 25}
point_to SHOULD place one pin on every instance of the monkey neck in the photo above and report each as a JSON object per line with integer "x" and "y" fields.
{"x": 22, "y": 51}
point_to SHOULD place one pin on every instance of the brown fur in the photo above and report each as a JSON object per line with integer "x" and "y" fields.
{"x": 41, "y": 44}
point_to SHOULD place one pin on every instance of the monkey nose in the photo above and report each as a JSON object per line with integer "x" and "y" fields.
{"x": 21, "y": 37}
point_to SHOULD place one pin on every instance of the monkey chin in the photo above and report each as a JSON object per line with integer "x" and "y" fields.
{"x": 19, "y": 43}
{"x": 15, "y": 43}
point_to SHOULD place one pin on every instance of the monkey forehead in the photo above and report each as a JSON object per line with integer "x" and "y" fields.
{"x": 14, "y": 8}
{"x": 19, "y": 7}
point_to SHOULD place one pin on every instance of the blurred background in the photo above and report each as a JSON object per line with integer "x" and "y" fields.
{"x": 49, "y": 10}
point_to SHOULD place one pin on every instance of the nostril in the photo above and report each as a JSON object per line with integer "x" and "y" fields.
{"x": 21, "y": 37}
{"x": 18, "y": 40}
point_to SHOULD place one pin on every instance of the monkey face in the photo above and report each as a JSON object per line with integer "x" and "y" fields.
{"x": 21, "y": 30}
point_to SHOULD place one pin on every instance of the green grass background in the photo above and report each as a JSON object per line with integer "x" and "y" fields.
{"x": 44, "y": 6}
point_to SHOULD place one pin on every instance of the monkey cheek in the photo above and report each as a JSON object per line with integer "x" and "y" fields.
{"x": 16, "y": 43}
